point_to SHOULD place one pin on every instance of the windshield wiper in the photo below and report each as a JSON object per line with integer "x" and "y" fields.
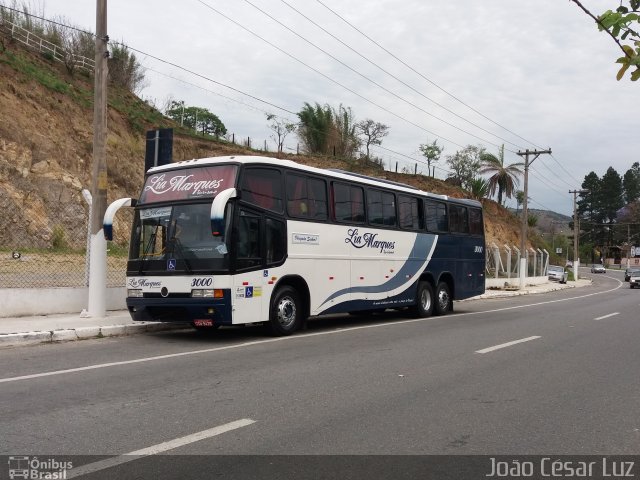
{"x": 175, "y": 241}
{"x": 147, "y": 248}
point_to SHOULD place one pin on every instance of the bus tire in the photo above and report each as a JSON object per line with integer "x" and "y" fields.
{"x": 285, "y": 312}
{"x": 443, "y": 299}
{"x": 424, "y": 301}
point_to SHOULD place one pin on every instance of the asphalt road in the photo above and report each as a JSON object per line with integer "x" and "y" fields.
{"x": 544, "y": 374}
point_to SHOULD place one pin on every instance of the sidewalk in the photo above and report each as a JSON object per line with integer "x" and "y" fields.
{"x": 69, "y": 327}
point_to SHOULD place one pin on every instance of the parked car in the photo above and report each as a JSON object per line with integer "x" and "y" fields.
{"x": 634, "y": 279}
{"x": 557, "y": 273}
{"x": 629, "y": 271}
{"x": 598, "y": 268}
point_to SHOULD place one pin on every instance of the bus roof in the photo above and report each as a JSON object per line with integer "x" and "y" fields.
{"x": 334, "y": 173}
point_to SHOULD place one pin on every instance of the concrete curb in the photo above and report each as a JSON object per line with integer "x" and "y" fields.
{"x": 83, "y": 333}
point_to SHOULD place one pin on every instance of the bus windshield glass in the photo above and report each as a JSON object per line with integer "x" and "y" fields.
{"x": 177, "y": 237}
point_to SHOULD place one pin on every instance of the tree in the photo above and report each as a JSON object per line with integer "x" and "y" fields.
{"x": 504, "y": 178}
{"x": 532, "y": 220}
{"x": 519, "y": 200}
{"x": 343, "y": 139}
{"x": 631, "y": 183}
{"x": 280, "y": 129}
{"x": 479, "y": 188}
{"x": 196, "y": 118}
{"x": 314, "y": 127}
{"x": 373, "y": 133}
{"x": 465, "y": 164}
{"x": 124, "y": 69}
{"x": 611, "y": 195}
{"x": 432, "y": 152}
{"x": 623, "y": 26}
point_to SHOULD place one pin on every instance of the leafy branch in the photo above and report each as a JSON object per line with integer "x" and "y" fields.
{"x": 619, "y": 25}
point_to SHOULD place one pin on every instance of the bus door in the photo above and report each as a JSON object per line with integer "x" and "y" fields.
{"x": 260, "y": 246}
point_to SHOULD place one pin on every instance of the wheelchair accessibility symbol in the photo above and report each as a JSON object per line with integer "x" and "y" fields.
{"x": 171, "y": 264}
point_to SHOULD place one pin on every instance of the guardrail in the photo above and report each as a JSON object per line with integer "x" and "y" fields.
{"x": 31, "y": 40}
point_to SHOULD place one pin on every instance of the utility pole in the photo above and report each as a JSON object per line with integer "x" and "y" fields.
{"x": 576, "y": 232}
{"x": 98, "y": 251}
{"x": 523, "y": 240}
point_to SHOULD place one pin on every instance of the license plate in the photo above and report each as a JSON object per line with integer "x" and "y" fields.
{"x": 203, "y": 322}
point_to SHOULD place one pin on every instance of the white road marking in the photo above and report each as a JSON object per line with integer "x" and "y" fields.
{"x": 607, "y": 316}
{"x": 292, "y": 338}
{"x": 156, "y": 449}
{"x": 505, "y": 345}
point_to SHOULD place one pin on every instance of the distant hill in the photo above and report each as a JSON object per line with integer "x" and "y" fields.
{"x": 548, "y": 221}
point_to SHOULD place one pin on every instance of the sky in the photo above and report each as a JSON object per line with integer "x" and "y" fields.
{"x": 526, "y": 74}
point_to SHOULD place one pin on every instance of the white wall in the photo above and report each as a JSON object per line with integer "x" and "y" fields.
{"x": 514, "y": 282}
{"x": 19, "y": 302}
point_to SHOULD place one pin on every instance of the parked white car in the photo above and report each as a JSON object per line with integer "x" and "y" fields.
{"x": 557, "y": 273}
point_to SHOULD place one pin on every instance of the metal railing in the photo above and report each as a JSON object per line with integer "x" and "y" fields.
{"x": 31, "y": 40}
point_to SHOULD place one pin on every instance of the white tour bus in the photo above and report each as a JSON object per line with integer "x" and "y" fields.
{"x": 244, "y": 239}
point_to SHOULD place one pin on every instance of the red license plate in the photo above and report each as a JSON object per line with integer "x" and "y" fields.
{"x": 203, "y": 322}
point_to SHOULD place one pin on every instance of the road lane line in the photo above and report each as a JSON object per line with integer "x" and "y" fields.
{"x": 505, "y": 345}
{"x": 156, "y": 449}
{"x": 607, "y": 316}
{"x": 292, "y": 338}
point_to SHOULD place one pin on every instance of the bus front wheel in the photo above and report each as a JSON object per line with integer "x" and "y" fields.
{"x": 443, "y": 299}
{"x": 424, "y": 301}
{"x": 285, "y": 314}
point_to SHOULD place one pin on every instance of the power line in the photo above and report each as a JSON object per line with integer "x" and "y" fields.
{"x": 421, "y": 75}
{"x": 326, "y": 76}
{"x": 386, "y": 72}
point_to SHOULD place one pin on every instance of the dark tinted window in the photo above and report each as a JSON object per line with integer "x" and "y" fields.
{"x": 458, "y": 219}
{"x": 381, "y": 208}
{"x": 436, "y": 216}
{"x": 263, "y": 187}
{"x": 348, "y": 203}
{"x": 475, "y": 222}
{"x": 306, "y": 197}
{"x": 275, "y": 240}
{"x": 248, "y": 241}
{"x": 409, "y": 213}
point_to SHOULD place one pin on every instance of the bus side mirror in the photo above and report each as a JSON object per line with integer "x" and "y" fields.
{"x": 107, "y": 223}
{"x": 218, "y": 207}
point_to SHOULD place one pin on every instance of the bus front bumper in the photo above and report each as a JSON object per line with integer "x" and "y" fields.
{"x": 181, "y": 310}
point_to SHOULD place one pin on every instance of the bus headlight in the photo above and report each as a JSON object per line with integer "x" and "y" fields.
{"x": 208, "y": 293}
{"x": 134, "y": 292}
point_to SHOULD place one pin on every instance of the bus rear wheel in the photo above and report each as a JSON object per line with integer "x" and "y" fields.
{"x": 285, "y": 312}
{"x": 443, "y": 299}
{"x": 424, "y": 301}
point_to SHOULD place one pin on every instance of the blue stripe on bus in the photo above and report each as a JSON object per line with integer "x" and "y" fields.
{"x": 417, "y": 259}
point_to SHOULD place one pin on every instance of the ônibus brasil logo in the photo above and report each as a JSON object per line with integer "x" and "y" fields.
{"x": 369, "y": 240}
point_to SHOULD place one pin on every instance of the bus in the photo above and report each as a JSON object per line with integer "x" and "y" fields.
{"x": 246, "y": 239}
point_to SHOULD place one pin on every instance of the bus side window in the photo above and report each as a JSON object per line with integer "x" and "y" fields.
{"x": 262, "y": 187}
{"x": 436, "y": 217}
{"x": 317, "y": 199}
{"x": 458, "y": 219}
{"x": 275, "y": 240}
{"x": 475, "y": 221}
{"x": 409, "y": 209}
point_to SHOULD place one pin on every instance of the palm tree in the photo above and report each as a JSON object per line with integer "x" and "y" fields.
{"x": 478, "y": 188}
{"x": 503, "y": 178}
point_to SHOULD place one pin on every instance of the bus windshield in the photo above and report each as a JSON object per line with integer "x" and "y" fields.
{"x": 177, "y": 237}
